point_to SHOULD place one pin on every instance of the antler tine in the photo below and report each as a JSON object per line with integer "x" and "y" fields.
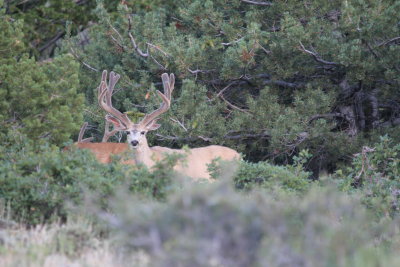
{"x": 105, "y": 95}
{"x": 103, "y": 84}
{"x": 82, "y": 132}
{"x": 171, "y": 84}
{"x": 107, "y": 132}
{"x": 168, "y": 83}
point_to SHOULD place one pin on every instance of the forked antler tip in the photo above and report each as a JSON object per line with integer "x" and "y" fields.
{"x": 172, "y": 81}
{"x": 163, "y": 96}
{"x": 113, "y": 74}
{"x": 104, "y": 75}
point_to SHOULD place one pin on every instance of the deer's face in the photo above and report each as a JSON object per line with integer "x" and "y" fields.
{"x": 136, "y": 136}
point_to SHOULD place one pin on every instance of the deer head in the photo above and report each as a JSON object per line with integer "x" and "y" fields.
{"x": 136, "y": 131}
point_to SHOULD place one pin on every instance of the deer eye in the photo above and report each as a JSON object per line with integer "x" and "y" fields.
{"x": 142, "y": 133}
{"x": 128, "y": 133}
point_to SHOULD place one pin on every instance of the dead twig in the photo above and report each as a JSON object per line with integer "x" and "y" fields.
{"x": 389, "y": 41}
{"x": 257, "y": 3}
{"x": 81, "y": 61}
{"x": 233, "y": 106}
{"x": 179, "y": 123}
{"x": 136, "y": 47}
{"x": 317, "y": 57}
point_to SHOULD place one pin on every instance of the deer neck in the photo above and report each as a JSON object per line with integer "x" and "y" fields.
{"x": 143, "y": 154}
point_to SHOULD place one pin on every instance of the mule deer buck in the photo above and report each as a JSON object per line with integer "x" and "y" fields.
{"x": 195, "y": 164}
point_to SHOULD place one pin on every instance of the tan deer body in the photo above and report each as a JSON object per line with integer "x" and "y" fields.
{"x": 196, "y": 160}
{"x": 104, "y": 151}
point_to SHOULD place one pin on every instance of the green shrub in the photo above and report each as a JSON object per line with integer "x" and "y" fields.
{"x": 40, "y": 99}
{"x": 214, "y": 225}
{"x": 37, "y": 181}
{"x": 376, "y": 173}
{"x": 266, "y": 175}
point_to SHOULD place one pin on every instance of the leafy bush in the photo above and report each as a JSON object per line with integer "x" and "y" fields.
{"x": 266, "y": 175}
{"x": 215, "y": 225}
{"x": 36, "y": 181}
{"x": 376, "y": 173}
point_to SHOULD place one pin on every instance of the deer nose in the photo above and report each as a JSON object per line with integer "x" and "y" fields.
{"x": 134, "y": 143}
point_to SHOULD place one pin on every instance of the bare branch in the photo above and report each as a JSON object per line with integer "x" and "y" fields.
{"x": 159, "y": 49}
{"x": 52, "y": 41}
{"x": 81, "y": 61}
{"x": 358, "y": 108}
{"x": 233, "y": 42}
{"x": 115, "y": 30}
{"x": 347, "y": 89}
{"x": 224, "y": 89}
{"x": 391, "y": 122}
{"x": 210, "y": 139}
{"x": 247, "y": 136}
{"x": 232, "y": 105}
{"x": 284, "y": 83}
{"x": 375, "y": 110}
{"x": 179, "y": 123}
{"x": 266, "y": 80}
{"x": 388, "y": 41}
{"x": 199, "y": 71}
{"x": 118, "y": 43}
{"x": 136, "y": 47}
{"x": 364, "y": 163}
{"x": 158, "y": 63}
{"x": 257, "y": 3}
{"x": 317, "y": 57}
{"x": 264, "y": 49}
{"x": 372, "y": 50}
{"x": 325, "y": 116}
{"x": 147, "y": 54}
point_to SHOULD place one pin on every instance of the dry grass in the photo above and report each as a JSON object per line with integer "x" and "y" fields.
{"x": 71, "y": 244}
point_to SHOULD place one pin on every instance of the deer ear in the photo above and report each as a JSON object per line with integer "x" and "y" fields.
{"x": 116, "y": 122}
{"x": 153, "y": 125}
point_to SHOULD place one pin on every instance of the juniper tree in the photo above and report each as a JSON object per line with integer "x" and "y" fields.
{"x": 39, "y": 99}
{"x": 44, "y": 21}
{"x": 269, "y": 78}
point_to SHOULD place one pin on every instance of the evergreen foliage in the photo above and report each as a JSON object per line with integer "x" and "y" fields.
{"x": 309, "y": 85}
{"x": 44, "y": 21}
{"x": 38, "y": 98}
{"x": 268, "y": 80}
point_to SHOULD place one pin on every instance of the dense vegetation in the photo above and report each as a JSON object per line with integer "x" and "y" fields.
{"x": 308, "y": 92}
